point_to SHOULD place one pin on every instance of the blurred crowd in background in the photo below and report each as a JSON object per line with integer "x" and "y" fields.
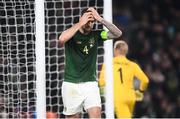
{"x": 152, "y": 29}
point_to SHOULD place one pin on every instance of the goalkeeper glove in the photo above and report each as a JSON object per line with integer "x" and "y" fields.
{"x": 139, "y": 95}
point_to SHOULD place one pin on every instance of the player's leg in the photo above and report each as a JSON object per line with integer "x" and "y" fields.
{"x": 92, "y": 103}
{"x": 122, "y": 110}
{"x": 77, "y": 115}
{"x": 72, "y": 100}
{"x": 94, "y": 112}
{"x": 131, "y": 107}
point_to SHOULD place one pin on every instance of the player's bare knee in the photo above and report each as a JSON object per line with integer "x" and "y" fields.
{"x": 94, "y": 112}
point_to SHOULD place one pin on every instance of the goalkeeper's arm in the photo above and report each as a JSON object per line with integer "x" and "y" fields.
{"x": 140, "y": 75}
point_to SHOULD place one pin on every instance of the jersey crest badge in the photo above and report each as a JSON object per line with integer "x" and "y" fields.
{"x": 78, "y": 42}
{"x": 91, "y": 42}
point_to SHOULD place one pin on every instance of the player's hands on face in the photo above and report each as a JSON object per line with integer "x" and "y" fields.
{"x": 86, "y": 17}
{"x": 139, "y": 95}
{"x": 95, "y": 14}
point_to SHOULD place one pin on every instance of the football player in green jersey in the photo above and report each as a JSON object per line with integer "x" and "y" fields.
{"x": 80, "y": 88}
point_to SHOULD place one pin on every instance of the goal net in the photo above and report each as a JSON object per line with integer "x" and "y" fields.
{"x": 17, "y": 53}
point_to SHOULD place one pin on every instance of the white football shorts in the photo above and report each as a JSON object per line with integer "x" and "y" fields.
{"x": 77, "y": 96}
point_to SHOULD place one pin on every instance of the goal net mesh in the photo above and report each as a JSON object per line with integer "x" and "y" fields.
{"x": 17, "y": 53}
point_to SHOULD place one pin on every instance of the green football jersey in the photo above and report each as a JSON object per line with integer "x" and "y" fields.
{"x": 81, "y": 54}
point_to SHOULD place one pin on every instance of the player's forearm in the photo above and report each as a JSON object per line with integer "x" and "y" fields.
{"x": 114, "y": 32}
{"x": 69, "y": 33}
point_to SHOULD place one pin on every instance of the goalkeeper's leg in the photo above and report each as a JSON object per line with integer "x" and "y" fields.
{"x": 124, "y": 110}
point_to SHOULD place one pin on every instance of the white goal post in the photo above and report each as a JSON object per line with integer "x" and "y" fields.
{"x": 40, "y": 60}
{"x": 108, "y": 61}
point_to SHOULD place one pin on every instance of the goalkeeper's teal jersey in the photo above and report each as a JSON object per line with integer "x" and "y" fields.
{"x": 81, "y": 55}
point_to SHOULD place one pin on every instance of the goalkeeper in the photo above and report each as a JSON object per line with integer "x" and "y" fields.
{"x": 124, "y": 72}
{"x": 80, "y": 88}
